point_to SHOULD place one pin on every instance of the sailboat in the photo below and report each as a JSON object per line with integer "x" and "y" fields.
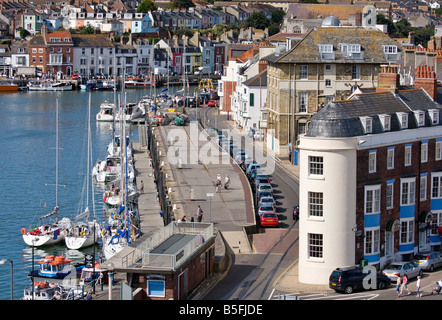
{"x": 122, "y": 228}
{"x": 84, "y": 233}
{"x": 50, "y": 233}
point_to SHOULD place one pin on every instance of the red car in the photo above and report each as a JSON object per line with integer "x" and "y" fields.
{"x": 269, "y": 219}
{"x": 212, "y": 103}
{"x": 75, "y": 76}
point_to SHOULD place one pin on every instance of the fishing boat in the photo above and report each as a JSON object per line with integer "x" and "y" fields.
{"x": 84, "y": 233}
{"x": 49, "y": 233}
{"x": 8, "y": 87}
{"x": 106, "y": 112}
{"x": 41, "y": 290}
{"x": 107, "y": 170}
{"x": 49, "y": 86}
{"x": 137, "y": 83}
{"x": 57, "y": 269}
{"x": 96, "y": 271}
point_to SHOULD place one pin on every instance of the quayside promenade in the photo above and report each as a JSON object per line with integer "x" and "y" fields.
{"x": 186, "y": 184}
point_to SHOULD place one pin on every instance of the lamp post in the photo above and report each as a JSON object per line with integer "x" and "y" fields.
{"x": 2, "y": 262}
{"x": 110, "y": 268}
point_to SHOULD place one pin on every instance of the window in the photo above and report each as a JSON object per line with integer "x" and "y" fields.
{"x": 436, "y": 185}
{"x": 315, "y": 204}
{"x": 325, "y": 48}
{"x": 407, "y": 191}
{"x": 390, "y": 158}
{"x": 438, "y": 155}
{"x": 403, "y": 119}
{"x": 407, "y": 155}
{"x": 389, "y": 194}
{"x": 316, "y": 165}
{"x": 303, "y": 101}
{"x": 434, "y": 115}
{"x": 372, "y": 199}
{"x": 385, "y": 121}
{"x": 423, "y": 187}
{"x": 252, "y": 99}
{"x": 156, "y": 288}
{"x": 315, "y": 245}
{"x": 390, "y": 49}
{"x": 420, "y": 118}
{"x": 372, "y": 239}
{"x": 303, "y": 72}
{"x": 407, "y": 231}
{"x": 424, "y": 151}
{"x": 367, "y": 123}
{"x": 356, "y": 72}
{"x": 372, "y": 161}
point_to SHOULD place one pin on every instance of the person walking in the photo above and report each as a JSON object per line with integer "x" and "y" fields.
{"x": 199, "y": 214}
{"x": 418, "y": 287}
{"x": 405, "y": 284}
{"x": 398, "y": 286}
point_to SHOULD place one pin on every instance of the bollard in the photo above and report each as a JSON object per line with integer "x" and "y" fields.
{"x": 192, "y": 194}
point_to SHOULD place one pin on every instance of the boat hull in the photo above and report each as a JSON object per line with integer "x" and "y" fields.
{"x": 80, "y": 242}
{"x": 42, "y": 240}
{"x": 8, "y": 88}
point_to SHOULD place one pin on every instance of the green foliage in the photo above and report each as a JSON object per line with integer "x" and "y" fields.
{"x": 24, "y": 33}
{"x": 181, "y": 4}
{"x": 146, "y": 6}
{"x": 181, "y": 32}
{"x": 402, "y": 28}
{"x": 278, "y": 16}
{"x": 256, "y": 20}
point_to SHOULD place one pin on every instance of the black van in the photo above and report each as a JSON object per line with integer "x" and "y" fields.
{"x": 348, "y": 280}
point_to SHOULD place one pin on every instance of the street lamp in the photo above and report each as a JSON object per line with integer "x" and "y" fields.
{"x": 110, "y": 268}
{"x": 3, "y": 262}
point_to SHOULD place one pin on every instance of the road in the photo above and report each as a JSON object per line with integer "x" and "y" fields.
{"x": 252, "y": 276}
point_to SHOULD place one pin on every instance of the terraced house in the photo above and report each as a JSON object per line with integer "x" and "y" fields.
{"x": 323, "y": 66}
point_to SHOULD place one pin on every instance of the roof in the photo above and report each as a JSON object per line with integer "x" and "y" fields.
{"x": 91, "y": 40}
{"x": 342, "y": 118}
{"x": 371, "y": 41}
{"x": 260, "y": 80}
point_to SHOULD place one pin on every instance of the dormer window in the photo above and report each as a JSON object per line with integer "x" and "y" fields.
{"x": 434, "y": 116}
{"x": 391, "y": 52}
{"x": 385, "y": 121}
{"x": 420, "y": 118}
{"x": 326, "y": 51}
{"x": 367, "y": 123}
{"x": 351, "y": 51}
{"x": 403, "y": 119}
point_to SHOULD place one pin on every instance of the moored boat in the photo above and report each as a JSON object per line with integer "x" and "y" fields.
{"x": 49, "y": 86}
{"x": 8, "y": 87}
{"x": 137, "y": 83}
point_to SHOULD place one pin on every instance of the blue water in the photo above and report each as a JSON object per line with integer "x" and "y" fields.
{"x": 27, "y": 172}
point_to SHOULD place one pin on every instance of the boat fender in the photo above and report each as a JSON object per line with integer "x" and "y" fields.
{"x": 103, "y": 232}
{"x": 23, "y": 231}
{"x": 83, "y": 234}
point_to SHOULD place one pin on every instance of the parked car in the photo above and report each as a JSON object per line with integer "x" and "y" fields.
{"x": 260, "y": 179}
{"x": 259, "y": 135}
{"x": 396, "y": 269}
{"x": 75, "y": 76}
{"x": 239, "y": 155}
{"x": 266, "y": 207}
{"x": 267, "y": 200}
{"x": 261, "y": 194}
{"x": 265, "y": 187}
{"x": 296, "y": 212}
{"x": 252, "y": 166}
{"x": 245, "y": 163}
{"x": 269, "y": 219}
{"x": 349, "y": 280}
{"x": 212, "y": 103}
{"x": 428, "y": 261}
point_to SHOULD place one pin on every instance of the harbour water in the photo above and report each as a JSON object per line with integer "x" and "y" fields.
{"x": 27, "y": 175}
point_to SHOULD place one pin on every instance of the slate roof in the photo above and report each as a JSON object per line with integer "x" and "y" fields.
{"x": 256, "y": 82}
{"x": 371, "y": 41}
{"x": 91, "y": 40}
{"x": 342, "y": 118}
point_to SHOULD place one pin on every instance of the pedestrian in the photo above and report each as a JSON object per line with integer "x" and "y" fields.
{"x": 398, "y": 286}
{"x": 199, "y": 214}
{"x": 405, "y": 284}
{"x": 89, "y": 296}
{"x": 418, "y": 287}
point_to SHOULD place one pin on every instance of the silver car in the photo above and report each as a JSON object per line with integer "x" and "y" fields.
{"x": 396, "y": 269}
{"x": 428, "y": 261}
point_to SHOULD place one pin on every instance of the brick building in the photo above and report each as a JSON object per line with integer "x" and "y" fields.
{"x": 371, "y": 177}
{"x": 52, "y": 52}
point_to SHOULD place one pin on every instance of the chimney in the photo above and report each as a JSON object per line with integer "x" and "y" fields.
{"x": 411, "y": 39}
{"x": 388, "y": 78}
{"x": 426, "y": 79}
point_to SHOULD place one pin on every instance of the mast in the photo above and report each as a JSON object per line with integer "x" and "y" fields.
{"x": 56, "y": 160}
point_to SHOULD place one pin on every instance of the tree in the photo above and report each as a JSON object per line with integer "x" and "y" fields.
{"x": 146, "y": 6}
{"x": 278, "y": 16}
{"x": 24, "y": 33}
{"x": 257, "y": 20}
{"x": 380, "y": 19}
{"x": 182, "y": 4}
